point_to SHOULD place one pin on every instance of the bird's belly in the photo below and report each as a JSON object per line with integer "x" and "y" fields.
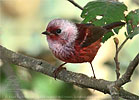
{"x": 86, "y": 54}
{"x": 80, "y": 55}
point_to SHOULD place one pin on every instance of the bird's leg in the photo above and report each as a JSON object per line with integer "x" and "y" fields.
{"x": 56, "y": 71}
{"x": 93, "y": 70}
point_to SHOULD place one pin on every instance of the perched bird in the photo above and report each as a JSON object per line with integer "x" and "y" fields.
{"x": 75, "y": 43}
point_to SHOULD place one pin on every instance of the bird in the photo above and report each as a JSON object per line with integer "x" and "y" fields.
{"x": 75, "y": 42}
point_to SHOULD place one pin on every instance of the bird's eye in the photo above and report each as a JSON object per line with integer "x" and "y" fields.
{"x": 58, "y": 31}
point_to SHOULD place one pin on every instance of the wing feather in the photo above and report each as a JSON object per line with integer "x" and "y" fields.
{"x": 89, "y": 34}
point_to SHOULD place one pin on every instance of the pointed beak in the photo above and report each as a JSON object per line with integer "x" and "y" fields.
{"x": 46, "y": 33}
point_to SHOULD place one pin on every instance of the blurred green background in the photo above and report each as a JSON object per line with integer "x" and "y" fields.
{"x": 21, "y": 24}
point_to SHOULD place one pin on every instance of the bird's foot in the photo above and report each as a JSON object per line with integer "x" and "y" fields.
{"x": 56, "y": 71}
{"x": 93, "y": 76}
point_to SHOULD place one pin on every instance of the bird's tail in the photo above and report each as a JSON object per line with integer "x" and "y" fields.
{"x": 113, "y": 25}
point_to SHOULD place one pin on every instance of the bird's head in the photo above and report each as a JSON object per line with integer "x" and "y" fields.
{"x": 61, "y": 31}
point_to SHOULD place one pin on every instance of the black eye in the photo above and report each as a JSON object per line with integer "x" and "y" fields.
{"x": 58, "y": 31}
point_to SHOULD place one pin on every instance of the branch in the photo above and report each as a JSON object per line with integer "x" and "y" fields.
{"x": 75, "y": 4}
{"x": 64, "y": 75}
{"x": 131, "y": 67}
{"x": 12, "y": 81}
{"x": 114, "y": 92}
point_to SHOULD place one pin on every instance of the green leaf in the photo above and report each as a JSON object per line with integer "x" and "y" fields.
{"x": 129, "y": 28}
{"x": 126, "y": 34}
{"x": 116, "y": 30}
{"x": 132, "y": 20}
{"x": 109, "y": 11}
{"x": 107, "y": 36}
{"x": 135, "y": 32}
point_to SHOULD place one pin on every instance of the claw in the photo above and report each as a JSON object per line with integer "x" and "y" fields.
{"x": 56, "y": 71}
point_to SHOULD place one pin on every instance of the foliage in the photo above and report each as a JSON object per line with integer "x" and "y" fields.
{"x": 110, "y": 12}
{"x": 132, "y": 20}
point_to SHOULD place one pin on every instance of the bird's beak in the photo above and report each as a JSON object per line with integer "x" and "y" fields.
{"x": 46, "y": 33}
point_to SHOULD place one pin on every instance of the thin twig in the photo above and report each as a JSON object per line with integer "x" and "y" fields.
{"x": 116, "y": 55}
{"x": 120, "y": 47}
{"x": 116, "y": 41}
{"x": 75, "y": 4}
{"x": 67, "y": 76}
